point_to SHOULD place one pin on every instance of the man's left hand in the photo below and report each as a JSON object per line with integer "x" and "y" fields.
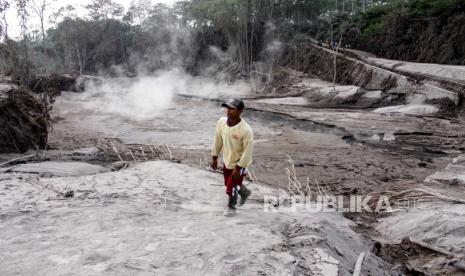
{"x": 236, "y": 174}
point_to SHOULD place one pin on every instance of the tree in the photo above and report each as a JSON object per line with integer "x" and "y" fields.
{"x": 65, "y": 12}
{"x": 159, "y": 16}
{"x": 181, "y": 13}
{"x": 4, "y": 5}
{"x": 139, "y": 11}
{"x": 23, "y": 14}
{"x": 40, "y": 7}
{"x": 19, "y": 57}
{"x": 71, "y": 40}
{"x": 104, "y": 9}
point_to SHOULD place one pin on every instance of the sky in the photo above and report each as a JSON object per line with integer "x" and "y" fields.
{"x": 13, "y": 22}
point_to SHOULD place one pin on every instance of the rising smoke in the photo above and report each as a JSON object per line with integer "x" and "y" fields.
{"x": 150, "y": 93}
{"x": 146, "y": 97}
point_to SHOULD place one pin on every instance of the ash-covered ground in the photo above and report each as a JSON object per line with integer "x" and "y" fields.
{"x": 96, "y": 202}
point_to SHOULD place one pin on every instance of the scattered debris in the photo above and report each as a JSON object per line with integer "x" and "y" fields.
{"x": 23, "y": 121}
{"x": 19, "y": 159}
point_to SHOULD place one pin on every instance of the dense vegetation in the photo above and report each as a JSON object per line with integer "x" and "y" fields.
{"x": 238, "y": 36}
{"x": 416, "y": 30}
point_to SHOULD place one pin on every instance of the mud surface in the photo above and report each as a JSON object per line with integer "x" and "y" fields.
{"x": 141, "y": 222}
{"x": 343, "y": 151}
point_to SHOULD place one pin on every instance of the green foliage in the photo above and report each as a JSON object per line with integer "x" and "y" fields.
{"x": 156, "y": 34}
{"x": 434, "y": 7}
{"x": 104, "y": 9}
{"x": 404, "y": 29}
{"x": 374, "y": 20}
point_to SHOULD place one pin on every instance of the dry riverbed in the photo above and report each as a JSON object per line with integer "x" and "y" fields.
{"x": 160, "y": 217}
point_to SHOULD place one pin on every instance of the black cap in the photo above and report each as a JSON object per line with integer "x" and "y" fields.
{"x": 234, "y": 103}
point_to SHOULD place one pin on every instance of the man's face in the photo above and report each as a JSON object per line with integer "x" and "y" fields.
{"x": 233, "y": 113}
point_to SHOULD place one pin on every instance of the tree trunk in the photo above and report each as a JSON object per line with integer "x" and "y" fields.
{"x": 44, "y": 51}
{"x": 42, "y": 27}
{"x": 5, "y": 25}
{"x": 79, "y": 58}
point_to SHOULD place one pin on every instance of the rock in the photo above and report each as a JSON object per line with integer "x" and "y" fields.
{"x": 428, "y": 222}
{"x": 422, "y": 164}
{"x": 285, "y": 101}
{"x": 459, "y": 159}
{"x": 348, "y": 93}
{"x": 414, "y": 109}
{"x": 416, "y": 99}
{"x": 389, "y": 136}
{"x": 86, "y": 151}
{"x": 69, "y": 193}
{"x": 376, "y": 137}
{"x": 373, "y": 94}
{"x": 452, "y": 174}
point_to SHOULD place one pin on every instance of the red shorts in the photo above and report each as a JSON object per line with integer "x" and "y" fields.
{"x": 229, "y": 182}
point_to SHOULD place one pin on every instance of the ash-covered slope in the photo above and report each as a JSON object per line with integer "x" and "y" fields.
{"x": 164, "y": 218}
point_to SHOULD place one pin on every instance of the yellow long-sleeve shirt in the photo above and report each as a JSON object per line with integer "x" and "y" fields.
{"x": 236, "y": 143}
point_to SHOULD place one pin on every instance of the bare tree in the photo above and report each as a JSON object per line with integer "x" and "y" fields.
{"x": 62, "y": 13}
{"x": 104, "y": 9}
{"x": 22, "y": 67}
{"x": 23, "y": 14}
{"x": 39, "y": 7}
{"x": 139, "y": 10}
{"x": 335, "y": 46}
{"x": 4, "y": 5}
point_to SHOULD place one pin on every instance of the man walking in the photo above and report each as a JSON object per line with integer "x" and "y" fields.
{"x": 235, "y": 137}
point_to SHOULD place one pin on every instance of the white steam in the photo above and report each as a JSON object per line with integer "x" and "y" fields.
{"x": 146, "y": 97}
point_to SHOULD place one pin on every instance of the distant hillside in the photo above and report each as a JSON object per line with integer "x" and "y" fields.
{"x": 417, "y": 30}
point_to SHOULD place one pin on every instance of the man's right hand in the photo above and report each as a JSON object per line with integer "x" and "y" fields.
{"x": 214, "y": 163}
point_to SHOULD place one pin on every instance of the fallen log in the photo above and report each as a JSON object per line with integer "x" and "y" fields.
{"x": 22, "y": 158}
